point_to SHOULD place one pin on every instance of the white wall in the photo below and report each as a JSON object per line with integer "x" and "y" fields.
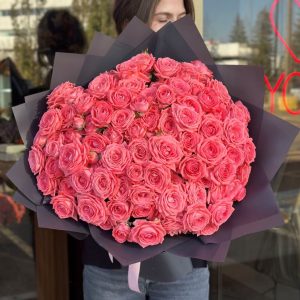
{"x": 234, "y": 52}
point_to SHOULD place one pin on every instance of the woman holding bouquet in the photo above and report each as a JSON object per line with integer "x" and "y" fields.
{"x": 102, "y": 278}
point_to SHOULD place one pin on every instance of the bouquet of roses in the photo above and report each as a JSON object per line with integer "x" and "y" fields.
{"x": 151, "y": 152}
{"x": 154, "y": 147}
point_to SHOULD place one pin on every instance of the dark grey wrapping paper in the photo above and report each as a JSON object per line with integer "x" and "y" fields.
{"x": 23, "y": 121}
{"x": 18, "y": 197}
{"x": 20, "y": 174}
{"x": 35, "y": 107}
{"x": 181, "y": 41}
{"x": 100, "y": 44}
{"x": 66, "y": 68}
{"x": 197, "y": 249}
{"x": 47, "y": 216}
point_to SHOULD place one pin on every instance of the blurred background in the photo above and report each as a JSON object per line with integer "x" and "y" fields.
{"x": 44, "y": 264}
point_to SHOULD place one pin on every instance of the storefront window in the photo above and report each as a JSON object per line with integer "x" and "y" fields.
{"x": 17, "y": 276}
{"x": 264, "y": 265}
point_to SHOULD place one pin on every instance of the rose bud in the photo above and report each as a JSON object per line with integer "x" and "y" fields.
{"x": 78, "y": 122}
{"x": 92, "y": 157}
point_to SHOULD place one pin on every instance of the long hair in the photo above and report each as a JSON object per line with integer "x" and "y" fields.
{"x": 58, "y": 30}
{"x": 125, "y": 10}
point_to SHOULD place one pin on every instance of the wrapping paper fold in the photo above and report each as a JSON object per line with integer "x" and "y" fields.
{"x": 181, "y": 41}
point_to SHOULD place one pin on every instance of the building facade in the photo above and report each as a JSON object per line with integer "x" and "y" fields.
{"x": 6, "y": 25}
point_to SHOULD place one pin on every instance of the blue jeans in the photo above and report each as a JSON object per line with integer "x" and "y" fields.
{"x": 107, "y": 284}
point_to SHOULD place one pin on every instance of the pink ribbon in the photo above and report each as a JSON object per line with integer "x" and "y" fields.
{"x": 133, "y": 277}
{"x": 133, "y": 274}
